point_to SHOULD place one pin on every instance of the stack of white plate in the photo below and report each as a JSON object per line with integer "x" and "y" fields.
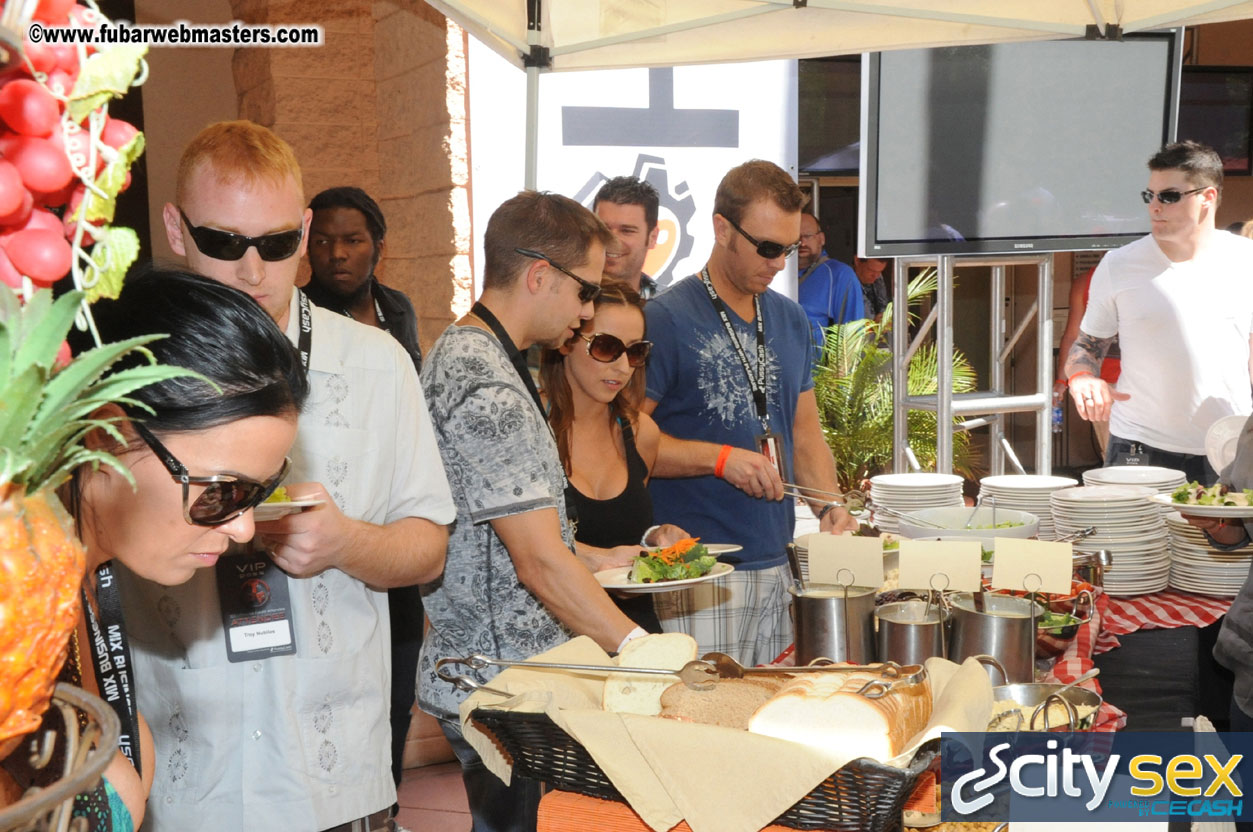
{"x": 910, "y": 492}
{"x": 1161, "y": 480}
{"x": 1195, "y": 566}
{"x": 1026, "y": 492}
{"x": 1127, "y": 524}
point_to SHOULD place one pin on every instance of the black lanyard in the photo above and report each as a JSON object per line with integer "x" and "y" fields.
{"x": 111, "y": 657}
{"x": 304, "y": 340}
{"x": 516, "y": 356}
{"x": 756, "y": 381}
{"x": 378, "y": 310}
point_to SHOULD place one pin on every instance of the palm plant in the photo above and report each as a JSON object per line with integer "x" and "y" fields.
{"x": 853, "y": 386}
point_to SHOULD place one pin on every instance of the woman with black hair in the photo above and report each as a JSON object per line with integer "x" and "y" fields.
{"x": 203, "y": 450}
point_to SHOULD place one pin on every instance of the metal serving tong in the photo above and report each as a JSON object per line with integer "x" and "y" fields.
{"x": 700, "y": 674}
{"x": 851, "y": 500}
{"x": 1075, "y": 537}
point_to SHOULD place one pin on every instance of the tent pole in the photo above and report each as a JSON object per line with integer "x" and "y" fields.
{"x": 532, "y": 127}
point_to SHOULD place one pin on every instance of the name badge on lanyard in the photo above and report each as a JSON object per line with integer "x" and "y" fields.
{"x": 1132, "y": 456}
{"x": 256, "y": 607}
{"x": 769, "y": 447}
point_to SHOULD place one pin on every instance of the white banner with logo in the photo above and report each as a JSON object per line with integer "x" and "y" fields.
{"x": 681, "y": 129}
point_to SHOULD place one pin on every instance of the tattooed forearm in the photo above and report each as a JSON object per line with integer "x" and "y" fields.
{"x": 1086, "y": 354}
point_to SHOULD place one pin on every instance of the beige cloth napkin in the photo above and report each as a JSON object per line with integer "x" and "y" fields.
{"x": 717, "y": 779}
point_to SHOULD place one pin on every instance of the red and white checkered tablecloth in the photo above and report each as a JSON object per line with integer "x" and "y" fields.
{"x": 1159, "y": 611}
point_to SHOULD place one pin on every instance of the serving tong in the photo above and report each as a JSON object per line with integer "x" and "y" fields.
{"x": 700, "y": 674}
{"x": 853, "y": 500}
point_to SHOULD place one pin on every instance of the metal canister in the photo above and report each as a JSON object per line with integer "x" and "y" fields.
{"x": 1005, "y": 629}
{"x": 910, "y": 632}
{"x": 833, "y": 622}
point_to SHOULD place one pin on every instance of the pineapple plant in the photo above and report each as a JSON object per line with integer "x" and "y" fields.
{"x": 48, "y": 404}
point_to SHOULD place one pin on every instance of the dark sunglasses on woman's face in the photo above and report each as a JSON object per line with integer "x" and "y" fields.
{"x": 607, "y": 348}
{"x": 227, "y": 245}
{"x": 766, "y": 249}
{"x": 224, "y": 498}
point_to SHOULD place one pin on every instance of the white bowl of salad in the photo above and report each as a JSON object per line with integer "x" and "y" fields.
{"x": 965, "y": 522}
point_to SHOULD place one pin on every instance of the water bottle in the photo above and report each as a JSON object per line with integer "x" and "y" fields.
{"x": 1059, "y": 407}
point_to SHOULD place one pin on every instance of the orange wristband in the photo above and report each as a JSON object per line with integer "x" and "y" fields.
{"x": 1076, "y": 375}
{"x": 722, "y": 461}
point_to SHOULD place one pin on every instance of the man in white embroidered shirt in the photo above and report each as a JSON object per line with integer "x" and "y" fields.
{"x": 271, "y": 709}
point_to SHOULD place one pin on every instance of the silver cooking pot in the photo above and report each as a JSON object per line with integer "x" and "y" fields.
{"x": 1005, "y": 630}
{"x": 833, "y": 622}
{"x": 910, "y": 632}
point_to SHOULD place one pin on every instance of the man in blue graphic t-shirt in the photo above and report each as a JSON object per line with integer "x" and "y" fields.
{"x": 732, "y": 366}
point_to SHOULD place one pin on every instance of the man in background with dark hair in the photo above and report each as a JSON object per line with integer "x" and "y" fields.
{"x": 732, "y": 367}
{"x": 511, "y": 580}
{"x": 1180, "y": 303}
{"x": 345, "y": 245}
{"x": 826, "y": 289}
{"x": 629, "y": 207}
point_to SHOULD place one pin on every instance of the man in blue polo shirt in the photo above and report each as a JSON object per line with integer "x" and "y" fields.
{"x": 826, "y": 289}
{"x": 732, "y": 365}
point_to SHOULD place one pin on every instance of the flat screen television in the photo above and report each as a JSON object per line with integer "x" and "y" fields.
{"x": 1013, "y": 148}
{"x": 1216, "y": 108}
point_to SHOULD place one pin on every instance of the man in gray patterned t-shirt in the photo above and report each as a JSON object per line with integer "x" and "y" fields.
{"x": 511, "y": 586}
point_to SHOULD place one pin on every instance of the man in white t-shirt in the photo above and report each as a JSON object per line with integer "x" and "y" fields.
{"x": 1180, "y": 302}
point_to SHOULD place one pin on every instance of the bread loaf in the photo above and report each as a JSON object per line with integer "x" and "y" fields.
{"x": 640, "y": 693}
{"x": 825, "y": 710}
{"x": 729, "y": 703}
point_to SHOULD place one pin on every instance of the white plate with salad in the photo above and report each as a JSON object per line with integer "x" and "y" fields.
{"x": 619, "y": 579}
{"x": 682, "y": 564}
{"x": 1214, "y": 501}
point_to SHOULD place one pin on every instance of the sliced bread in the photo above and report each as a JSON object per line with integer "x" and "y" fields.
{"x": 825, "y": 710}
{"x": 729, "y": 703}
{"x": 640, "y": 693}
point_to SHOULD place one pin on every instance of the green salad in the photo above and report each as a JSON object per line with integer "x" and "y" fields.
{"x": 1195, "y": 494}
{"x": 1055, "y": 620}
{"x": 686, "y": 559}
{"x": 1008, "y": 524}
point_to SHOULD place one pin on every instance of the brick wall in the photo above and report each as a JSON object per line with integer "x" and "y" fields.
{"x": 381, "y": 105}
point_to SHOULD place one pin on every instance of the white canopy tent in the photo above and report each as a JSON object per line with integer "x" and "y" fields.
{"x": 554, "y": 35}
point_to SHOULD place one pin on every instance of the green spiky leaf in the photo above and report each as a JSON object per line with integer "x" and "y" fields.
{"x": 45, "y": 411}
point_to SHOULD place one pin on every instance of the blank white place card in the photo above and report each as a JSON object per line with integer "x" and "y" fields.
{"x": 1032, "y": 565}
{"x": 846, "y": 560}
{"x": 941, "y": 564}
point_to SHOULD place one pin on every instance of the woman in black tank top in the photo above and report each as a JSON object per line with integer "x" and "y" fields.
{"x": 607, "y": 446}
